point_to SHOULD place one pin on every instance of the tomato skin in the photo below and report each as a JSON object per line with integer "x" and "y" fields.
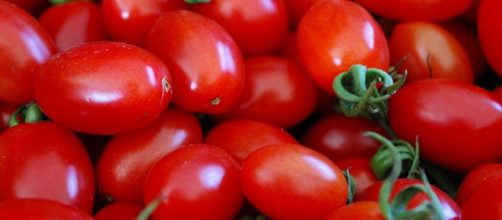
{"x": 130, "y": 21}
{"x": 336, "y": 34}
{"x": 45, "y": 161}
{"x": 40, "y": 210}
{"x": 414, "y": 10}
{"x": 73, "y": 88}
{"x": 242, "y": 137}
{"x": 431, "y": 52}
{"x": 123, "y": 211}
{"x": 475, "y": 178}
{"x": 363, "y": 210}
{"x": 263, "y": 100}
{"x": 6, "y": 110}
{"x": 207, "y": 67}
{"x": 289, "y": 181}
{"x": 24, "y": 46}
{"x": 498, "y": 93}
{"x": 32, "y": 6}
{"x": 298, "y": 8}
{"x": 458, "y": 124}
{"x": 360, "y": 169}
{"x": 485, "y": 201}
{"x": 124, "y": 163}
{"x": 198, "y": 181}
{"x": 73, "y": 23}
{"x": 489, "y": 26}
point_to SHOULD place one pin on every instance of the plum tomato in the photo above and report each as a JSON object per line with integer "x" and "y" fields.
{"x": 363, "y": 210}
{"x": 39, "y": 209}
{"x": 475, "y": 178}
{"x": 489, "y": 26}
{"x": 485, "y": 201}
{"x": 119, "y": 210}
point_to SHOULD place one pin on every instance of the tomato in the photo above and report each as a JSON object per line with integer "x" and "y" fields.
{"x": 336, "y": 34}
{"x": 489, "y": 25}
{"x": 73, "y": 23}
{"x": 277, "y": 91}
{"x": 485, "y": 201}
{"x": 32, "y": 6}
{"x": 6, "y": 111}
{"x": 195, "y": 182}
{"x": 298, "y": 8}
{"x": 449, "y": 209}
{"x": 288, "y": 181}
{"x": 363, "y": 210}
{"x": 24, "y": 46}
{"x": 498, "y": 93}
{"x": 130, "y": 20}
{"x": 457, "y": 124}
{"x": 73, "y": 88}
{"x": 475, "y": 178}
{"x": 122, "y": 211}
{"x": 258, "y": 27}
{"x": 207, "y": 67}
{"x": 124, "y": 163}
{"x": 45, "y": 161}
{"x": 242, "y": 137}
{"x": 40, "y": 210}
{"x": 413, "y": 10}
{"x": 360, "y": 169}
{"x": 430, "y": 52}
{"x": 338, "y": 137}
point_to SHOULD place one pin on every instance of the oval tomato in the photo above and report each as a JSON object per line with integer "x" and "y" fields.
{"x": 122, "y": 211}
{"x": 485, "y": 201}
{"x": 75, "y": 89}
{"x": 475, "y": 178}
{"x": 363, "y": 210}
{"x": 39, "y": 209}
{"x": 489, "y": 25}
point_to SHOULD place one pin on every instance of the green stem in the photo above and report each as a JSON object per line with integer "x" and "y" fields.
{"x": 351, "y": 186}
{"x": 436, "y": 205}
{"x": 150, "y": 208}
{"x": 197, "y": 1}
{"x": 58, "y": 2}
{"x": 33, "y": 114}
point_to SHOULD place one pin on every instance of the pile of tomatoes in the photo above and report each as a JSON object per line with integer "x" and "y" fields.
{"x": 227, "y": 109}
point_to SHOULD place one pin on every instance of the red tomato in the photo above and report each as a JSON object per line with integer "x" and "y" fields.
{"x": 498, "y": 93}
{"x": 336, "y": 34}
{"x": 458, "y": 124}
{"x": 74, "y": 88}
{"x": 485, "y": 201}
{"x": 431, "y": 52}
{"x": 207, "y": 67}
{"x": 338, "y": 137}
{"x": 124, "y": 163}
{"x": 489, "y": 25}
{"x": 6, "y": 111}
{"x": 288, "y": 181}
{"x": 195, "y": 182}
{"x": 297, "y": 8}
{"x": 475, "y": 178}
{"x": 413, "y": 10}
{"x": 130, "y": 20}
{"x": 277, "y": 91}
{"x": 363, "y": 210}
{"x": 73, "y": 23}
{"x": 122, "y": 211}
{"x": 24, "y": 46}
{"x": 40, "y": 210}
{"x": 45, "y": 161}
{"x": 360, "y": 169}
{"x": 32, "y": 6}
{"x": 258, "y": 27}
{"x": 450, "y": 209}
{"x": 242, "y": 137}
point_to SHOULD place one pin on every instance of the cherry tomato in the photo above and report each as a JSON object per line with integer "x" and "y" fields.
{"x": 360, "y": 169}
{"x": 489, "y": 25}
{"x": 429, "y": 52}
{"x": 336, "y": 34}
{"x": 75, "y": 88}
{"x": 24, "y": 46}
{"x": 242, "y": 137}
{"x": 207, "y": 67}
{"x": 457, "y": 124}
{"x": 40, "y": 210}
{"x": 475, "y": 178}
{"x": 45, "y": 161}
{"x": 73, "y": 23}
{"x": 413, "y": 10}
{"x": 6, "y": 111}
{"x": 195, "y": 182}
{"x": 297, "y": 8}
{"x": 363, "y": 210}
{"x": 124, "y": 163}
{"x": 485, "y": 201}
{"x": 130, "y": 20}
{"x": 288, "y": 181}
{"x": 277, "y": 91}
{"x": 258, "y": 27}
{"x": 338, "y": 137}
{"x": 122, "y": 211}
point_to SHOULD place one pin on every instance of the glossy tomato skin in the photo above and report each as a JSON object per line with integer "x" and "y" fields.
{"x": 415, "y": 10}
{"x": 124, "y": 163}
{"x": 485, "y": 201}
{"x": 289, "y": 181}
{"x": 197, "y": 181}
{"x": 458, "y": 124}
{"x": 430, "y": 52}
{"x": 24, "y": 46}
{"x": 6, "y": 111}
{"x": 258, "y": 27}
{"x": 277, "y": 91}
{"x": 360, "y": 169}
{"x": 45, "y": 161}
{"x": 489, "y": 26}
{"x": 336, "y": 34}
{"x": 123, "y": 211}
{"x": 75, "y": 89}
{"x": 242, "y": 137}
{"x": 363, "y": 210}
{"x": 475, "y": 178}
{"x": 73, "y": 23}
{"x": 338, "y": 137}
{"x": 130, "y": 21}
{"x": 206, "y": 64}
{"x": 39, "y": 209}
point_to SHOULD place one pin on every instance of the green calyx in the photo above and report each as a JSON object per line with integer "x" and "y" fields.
{"x": 29, "y": 113}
